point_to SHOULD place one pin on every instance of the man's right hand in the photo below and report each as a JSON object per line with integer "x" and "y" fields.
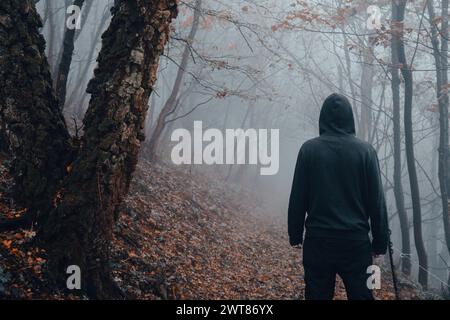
{"x": 377, "y": 259}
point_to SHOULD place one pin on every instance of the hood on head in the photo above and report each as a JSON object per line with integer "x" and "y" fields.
{"x": 336, "y": 116}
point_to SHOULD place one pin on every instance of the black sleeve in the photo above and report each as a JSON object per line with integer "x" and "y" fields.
{"x": 298, "y": 202}
{"x": 377, "y": 206}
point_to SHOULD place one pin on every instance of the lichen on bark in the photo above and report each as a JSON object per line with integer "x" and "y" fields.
{"x": 35, "y": 131}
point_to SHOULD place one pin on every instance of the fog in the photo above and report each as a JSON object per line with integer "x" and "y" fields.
{"x": 269, "y": 65}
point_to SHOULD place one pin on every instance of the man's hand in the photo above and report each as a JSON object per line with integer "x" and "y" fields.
{"x": 377, "y": 259}
{"x": 297, "y": 246}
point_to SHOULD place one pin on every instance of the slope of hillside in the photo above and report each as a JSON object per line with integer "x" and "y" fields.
{"x": 193, "y": 238}
{"x": 178, "y": 237}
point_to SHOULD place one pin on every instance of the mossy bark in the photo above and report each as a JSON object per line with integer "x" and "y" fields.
{"x": 34, "y": 127}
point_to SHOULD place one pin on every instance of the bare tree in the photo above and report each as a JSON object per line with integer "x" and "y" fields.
{"x": 398, "y": 186}
{"x": 66, "y": 60}
{"x": 398, "y": 20}
{"x": 440, "y": 55}
{"x": 171, "y": 103}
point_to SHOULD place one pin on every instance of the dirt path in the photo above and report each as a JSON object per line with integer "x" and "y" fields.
{"x": 177, "y": 238}
{"x": 200, "y": 243}
{"x": 205, "y": 242}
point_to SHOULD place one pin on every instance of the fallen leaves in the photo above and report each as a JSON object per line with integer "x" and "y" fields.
{"x": 209, "y": 242}
{"x": 191, "y": 237}
{"x": 180, "y": 237}
{"x": 7, "y": 244}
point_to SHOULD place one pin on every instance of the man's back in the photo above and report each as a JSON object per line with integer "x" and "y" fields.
{"x": 337, "y": 185}
{"x": 337, "y": 188}
{"x": 337, "y": 182}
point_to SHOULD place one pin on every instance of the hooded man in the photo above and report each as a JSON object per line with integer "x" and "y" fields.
{"x": 337, "y": 188}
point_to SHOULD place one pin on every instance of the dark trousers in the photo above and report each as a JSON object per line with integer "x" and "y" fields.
{"x": 323, "y": 258}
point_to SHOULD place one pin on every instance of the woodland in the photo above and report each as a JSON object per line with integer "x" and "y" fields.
{"x": 91, "y": 93}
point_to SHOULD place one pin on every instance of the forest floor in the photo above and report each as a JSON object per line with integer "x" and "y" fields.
{"x": 179, "y": 237}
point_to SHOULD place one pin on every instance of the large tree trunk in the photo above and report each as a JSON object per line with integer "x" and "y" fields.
{"x": 170, "y": 105}
{"x": 409, "y": 146}
{"x": 397, "y": 152}
{"x": 36, "y": 131}
{"x": 79, "y": 229}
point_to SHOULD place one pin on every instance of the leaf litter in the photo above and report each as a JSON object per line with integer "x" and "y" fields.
{"x": 178, "y": 236}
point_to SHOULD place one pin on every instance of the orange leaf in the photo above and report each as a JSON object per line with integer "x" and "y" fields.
{"x": 132, "y": 254}
{"x": 7, "y": 243}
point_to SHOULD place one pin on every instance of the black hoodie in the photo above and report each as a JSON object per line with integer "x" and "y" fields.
{"x": 337, "y": 184}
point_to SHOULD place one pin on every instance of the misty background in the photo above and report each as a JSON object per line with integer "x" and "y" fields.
{"x": 270, "y": 64}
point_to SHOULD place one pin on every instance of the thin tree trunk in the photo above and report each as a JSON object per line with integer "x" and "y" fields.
{"x": 441, "y": 62}
{"x": 65, "y": 61}
{"x": 433, "y": 225}
{"x": 51, "y": 40}
{"x": 366, "y": 89}
{"x": 84, "y": 16}
{"x": 398, "y": 186}
{"x": 77, "y": 92}
{"x": 149, "y": 120}
{"x": 348, "y": 69}
{"x": 341, "y": 80}
{"x": 444, "y": 158}
{"x": 409, "y": 147}
{"x": 171, "y": 101}
{"x": 244, "y": 120}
